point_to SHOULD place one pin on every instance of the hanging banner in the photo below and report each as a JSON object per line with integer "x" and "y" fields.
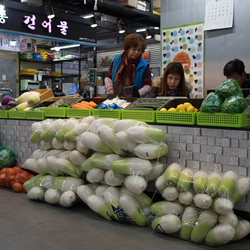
{"x": 185, "y": 44}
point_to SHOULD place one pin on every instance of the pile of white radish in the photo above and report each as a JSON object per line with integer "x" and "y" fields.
{"x": 117, "y": 204}
{"x": 202, "y": 226}
{"x": 56, "y": 190}
{"x": 206, "y": 191}
{"x": 127, "y": 153}
{"x": 56, "y": 162}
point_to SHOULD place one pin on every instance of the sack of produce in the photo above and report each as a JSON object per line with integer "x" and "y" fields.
{"x": 228, "y": 88}
{"x": 7, "y": 158}
{"x": 234, "y": 104}
{"x": 211, "y": 104}
{"x": 201, "y": 226}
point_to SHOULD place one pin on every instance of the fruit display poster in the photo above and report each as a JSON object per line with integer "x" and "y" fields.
{"x": 185, "y": 44}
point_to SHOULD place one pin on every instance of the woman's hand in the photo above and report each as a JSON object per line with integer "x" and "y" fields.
{"x": 111, "y": 91}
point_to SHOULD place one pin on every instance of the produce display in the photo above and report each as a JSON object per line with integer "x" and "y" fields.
{"x": 185, "y": 107}
{"x": 27, "y": 100}
{"x": 14, "y": 177}
{"x": 198, "y": 206}
{"x": 7, "y": 158}
{"x": 115, "y": 103}
{"x": 84, "y": 105}
{"x": 8, "y": 103}
{"x": 108, "y": 163}
{"x": 227, "y": 98}
{"x": 146, "y": 105}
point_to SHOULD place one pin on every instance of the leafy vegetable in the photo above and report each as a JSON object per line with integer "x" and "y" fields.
{"x": 211, "y": 104}
{"x": 228, "y": 88}
{"x": 234, "y": 104}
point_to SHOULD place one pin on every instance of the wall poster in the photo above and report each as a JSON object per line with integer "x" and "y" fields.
{"x": 185, "y": 44}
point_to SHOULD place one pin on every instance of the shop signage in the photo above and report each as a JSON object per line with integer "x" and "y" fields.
{"x": 39, "y": 25}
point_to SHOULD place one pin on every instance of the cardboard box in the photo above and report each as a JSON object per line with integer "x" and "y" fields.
{"x": 45, "y": 93}
{"x": 130, "y": 3}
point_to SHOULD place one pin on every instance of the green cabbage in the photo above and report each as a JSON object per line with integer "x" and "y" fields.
{"x": 228, "y": 88}
{"x": 234, "y": 104}
{"x": 211, "y": 104}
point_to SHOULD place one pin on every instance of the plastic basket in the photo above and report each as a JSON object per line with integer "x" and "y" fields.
{"x": 81, "y": 113}
{"x": 54, "y": 111}
{"x": 34, "y": 114}
{"x": 173, "y": 117}
{"x": 78, "y": 113}
{"x": 107, "y": 113}
{"x": 143, "y": 115}
{"x": 223, "y": 120}
{"x": 17, "y": 114}
{"x": 4, "y": 114}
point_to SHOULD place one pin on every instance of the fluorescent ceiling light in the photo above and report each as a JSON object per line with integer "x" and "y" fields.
{"x": 65, "y": 47}
{"x": 87, "y": 16}
{"x": 156, "y": 28}
{"x": 140, "y": 30}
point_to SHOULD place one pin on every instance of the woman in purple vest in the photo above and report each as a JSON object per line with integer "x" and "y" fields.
{"x": 129, "y": 68}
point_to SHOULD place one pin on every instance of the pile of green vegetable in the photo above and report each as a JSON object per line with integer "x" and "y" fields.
{"x": 64, "y": 105}
{"x": 150, "y": 106}
{"x": 227, "y": 98}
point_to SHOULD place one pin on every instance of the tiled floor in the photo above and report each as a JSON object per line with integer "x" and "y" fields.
{"x": 31, "y": 225}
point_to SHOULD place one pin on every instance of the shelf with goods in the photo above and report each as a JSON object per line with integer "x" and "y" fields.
{"x": 64, "y": 68}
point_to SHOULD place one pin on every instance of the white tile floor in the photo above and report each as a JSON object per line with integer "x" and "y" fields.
{"x": 30, "y": 225}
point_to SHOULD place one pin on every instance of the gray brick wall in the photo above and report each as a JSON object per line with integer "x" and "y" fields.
{"x": 209, "y": 149}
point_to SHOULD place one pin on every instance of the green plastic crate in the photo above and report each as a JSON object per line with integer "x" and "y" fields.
{"x": 173, "y": 117}
{"x": 143, "y": 115}
{"x": 54, "y": 111}
{"x": 4, "y": 114}
{"x": 223, "y": 120}
{"x": 17, "y": 114}
{"x": 107, "y": 113}
{"x": 176, "y": 117}
{"x": 78, "y": 113}
{"x": 35, "y": 115}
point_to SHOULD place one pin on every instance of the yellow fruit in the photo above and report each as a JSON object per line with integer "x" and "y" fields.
{"x": 186, "y": 105}
{"x": 195, "y": 109}
{"x": 163, "y": 109}
{"x": 180, "y": 107}
{"x": 172, "y": 109}
{"x": 191, "y": 109}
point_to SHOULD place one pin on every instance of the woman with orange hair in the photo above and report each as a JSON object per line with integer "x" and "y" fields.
{"x": 129, "y": 68}
{"x": 172, "y": 83}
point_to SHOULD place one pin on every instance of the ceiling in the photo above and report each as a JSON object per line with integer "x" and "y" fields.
{"x": 107, "y": 14}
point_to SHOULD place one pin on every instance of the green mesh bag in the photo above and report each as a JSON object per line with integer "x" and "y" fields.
{"x": 234, "y": 104}
{"x": 211, "y": 104}
{"x": 228, "y": 88}
{"x": 7, "y": 158}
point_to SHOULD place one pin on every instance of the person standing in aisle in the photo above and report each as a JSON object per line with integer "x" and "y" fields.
{"x": 236, "y": 69}
{"x": 129, "y": 68}
{"x": 172, "y": 83}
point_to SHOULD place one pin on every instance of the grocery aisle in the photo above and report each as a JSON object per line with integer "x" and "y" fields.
{"x": 31, "y": 225}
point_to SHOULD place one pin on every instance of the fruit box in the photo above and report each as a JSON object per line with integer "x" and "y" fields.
{"x": 175, "y": 117}
{"x": 143, "y": 115}
{"x": 54, "y": 111}
{"x": 44, "y": 93}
